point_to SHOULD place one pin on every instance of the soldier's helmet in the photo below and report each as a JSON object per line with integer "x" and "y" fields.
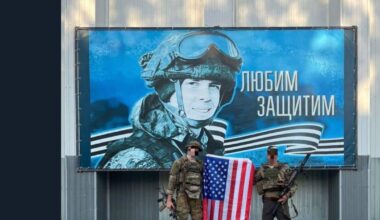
{"x": 201, "y": 54}
{"x": 272, "y": 150}
{"x": 194, "y": 144}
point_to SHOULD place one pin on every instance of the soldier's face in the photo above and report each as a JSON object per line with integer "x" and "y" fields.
{"x": 200, "y": 98}
{"x": 272, "y": 158}
{"x": 193, "y": 152}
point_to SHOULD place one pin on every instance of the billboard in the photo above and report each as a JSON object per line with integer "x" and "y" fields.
{"x": 142, "y": 93}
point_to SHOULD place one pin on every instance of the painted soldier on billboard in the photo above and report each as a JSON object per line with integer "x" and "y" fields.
{"x": 144, "y": 92}
{"x": 193, "y": 75}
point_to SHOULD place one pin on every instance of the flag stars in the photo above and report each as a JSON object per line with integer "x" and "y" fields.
{"x": 215, "y": 174}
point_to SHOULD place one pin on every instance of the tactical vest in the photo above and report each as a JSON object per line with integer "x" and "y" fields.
{"x": 191, "y": 178}
{"x": 271, "y": 180}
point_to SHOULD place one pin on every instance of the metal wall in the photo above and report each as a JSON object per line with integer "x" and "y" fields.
{"x": 356, "y": 13}
{"x": 133, "y": 195}
{"x": 121, "y": 195}
{"x": 80, "y": 198}
{"x": 375, "y": 80}
{"x": 354, "y": 191}
{"x": 374, "y": 189}
{"x": 287, "y": 13}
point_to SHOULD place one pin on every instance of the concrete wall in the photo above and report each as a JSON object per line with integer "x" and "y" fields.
{"x": 322, "y": 195}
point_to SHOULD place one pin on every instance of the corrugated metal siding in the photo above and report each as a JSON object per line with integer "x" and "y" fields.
{"x": 356, "y": 13}
{"x": 81, "y": 192}
{"x": 155, "y": 13}
{"x": 219, "y": 13}
{"x": 263, "y": 13}
{"x": 334, "y": 13}
{"x": 355, "y": 191}
{"x": 102, "y": 13}
{"x": 312, "y": 195}
{"x": 63, "y": 189}
{"x": 133, "y": 195}
{"x": 74, "y": 13}
{"x": 374, "y": 189}
{"x": 375, "y": 78}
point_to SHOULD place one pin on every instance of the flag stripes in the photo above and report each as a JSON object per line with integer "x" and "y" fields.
{"x": 235, "y": 186}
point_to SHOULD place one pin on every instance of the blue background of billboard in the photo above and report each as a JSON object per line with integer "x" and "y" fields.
{"x": 317, "y": 54}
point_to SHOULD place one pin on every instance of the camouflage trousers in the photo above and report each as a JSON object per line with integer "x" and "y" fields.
{"x": 186, "y": 206}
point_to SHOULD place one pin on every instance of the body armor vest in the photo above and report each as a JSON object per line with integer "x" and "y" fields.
{"x": 191, "y": 178}
{"x": 271, "y": 179}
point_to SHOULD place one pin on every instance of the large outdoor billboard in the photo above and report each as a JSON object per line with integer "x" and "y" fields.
{"x": 142, "y": 93}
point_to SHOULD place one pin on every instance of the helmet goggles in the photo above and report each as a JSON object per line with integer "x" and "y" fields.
{"x": 195, "y": 45}
{"x": 197, "y": 54}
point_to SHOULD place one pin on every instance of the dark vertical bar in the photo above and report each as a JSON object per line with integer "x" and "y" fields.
{"x": 101, "y": 195}
{"x": 350, "y": 82}
{"x": 333, "y": 194}
{"x": 83, "y": 96}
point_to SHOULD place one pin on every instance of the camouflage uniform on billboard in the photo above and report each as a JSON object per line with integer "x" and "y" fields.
{"x": 185, "y": 180}
{"x": 270, "y": 181}
{"x": 160, "y": 130}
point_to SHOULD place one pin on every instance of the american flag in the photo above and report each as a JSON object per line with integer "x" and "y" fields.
{"x": 227, "y": 188}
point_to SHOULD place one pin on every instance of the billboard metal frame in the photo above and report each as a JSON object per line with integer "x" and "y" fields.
{"x": 79, "y": 80}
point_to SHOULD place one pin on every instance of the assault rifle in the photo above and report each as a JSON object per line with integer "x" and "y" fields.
{"x": 290, "y": 183}
{"x": 163, "y": 199}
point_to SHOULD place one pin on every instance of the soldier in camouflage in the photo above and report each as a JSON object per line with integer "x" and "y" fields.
{"x": 185, "y": 180}
{"x": 270, "y": 180}
{"x": 193, "y": 76}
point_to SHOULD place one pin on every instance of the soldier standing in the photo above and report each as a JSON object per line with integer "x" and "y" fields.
{"x": 270, "y": 181}
{"x": 185, "y": 179}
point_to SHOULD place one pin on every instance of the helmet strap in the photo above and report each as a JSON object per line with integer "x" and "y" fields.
{"x": 178, "y": 91}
